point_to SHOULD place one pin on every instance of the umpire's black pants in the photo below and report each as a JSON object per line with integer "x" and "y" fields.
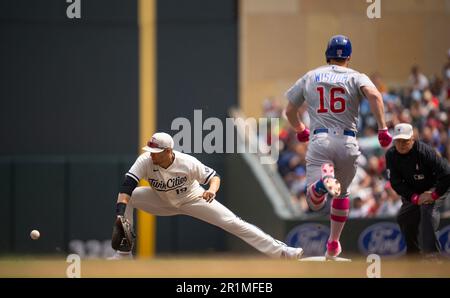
{"x": 412, "y": 218}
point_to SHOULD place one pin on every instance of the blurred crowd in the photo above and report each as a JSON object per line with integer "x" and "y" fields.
{"x": 423, "y": 101}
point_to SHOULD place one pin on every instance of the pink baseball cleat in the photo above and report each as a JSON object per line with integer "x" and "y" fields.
{"x": 334, "y": 249}
{"x": 331, "y": 184}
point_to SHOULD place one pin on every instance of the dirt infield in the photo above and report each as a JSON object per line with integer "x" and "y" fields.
{"x": 218, "y": 266}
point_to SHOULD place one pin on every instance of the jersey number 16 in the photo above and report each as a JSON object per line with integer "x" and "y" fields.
{"x": 337, "y": 104}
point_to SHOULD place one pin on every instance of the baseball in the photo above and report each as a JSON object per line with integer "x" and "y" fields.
{"x": 35, "y": 234}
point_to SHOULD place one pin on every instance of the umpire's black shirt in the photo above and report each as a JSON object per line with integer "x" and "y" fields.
{"x": 417, "y": 171}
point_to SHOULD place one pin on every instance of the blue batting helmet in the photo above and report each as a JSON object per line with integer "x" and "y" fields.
{"x": 339, "y": 47}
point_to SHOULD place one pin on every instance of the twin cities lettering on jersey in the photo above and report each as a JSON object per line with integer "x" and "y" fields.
{"x": 330, "y": 77}
{"x": 171, "y": 184}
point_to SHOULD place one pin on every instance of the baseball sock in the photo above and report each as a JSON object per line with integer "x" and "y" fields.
{"x": 319, "y": 188}
{"x": 338, "y": 215}
{"x": 317, "y": 199}
{"x": 327, "y": 171}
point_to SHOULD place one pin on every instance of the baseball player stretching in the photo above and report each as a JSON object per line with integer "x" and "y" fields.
{"x": 333, "y": 93}
{"x": 175, "y": 180}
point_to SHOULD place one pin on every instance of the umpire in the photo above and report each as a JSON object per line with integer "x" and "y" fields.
{"x": 422, "y": 179}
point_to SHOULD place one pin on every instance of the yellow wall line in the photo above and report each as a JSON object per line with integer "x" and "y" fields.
{"x": 146, "y": 228}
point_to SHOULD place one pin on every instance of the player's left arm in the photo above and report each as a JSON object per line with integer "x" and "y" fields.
{"x": 206, "y": 176}
{"x": 214, "y": 185}
{"x": 376, "y": 104}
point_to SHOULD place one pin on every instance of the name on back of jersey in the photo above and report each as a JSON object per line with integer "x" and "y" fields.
{"x": 330, "y": 77}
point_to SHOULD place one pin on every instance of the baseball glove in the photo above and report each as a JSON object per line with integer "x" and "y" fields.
{"x": 123, "y": 237}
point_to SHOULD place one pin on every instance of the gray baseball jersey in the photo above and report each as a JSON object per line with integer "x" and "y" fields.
{"x": 333, "y": 94}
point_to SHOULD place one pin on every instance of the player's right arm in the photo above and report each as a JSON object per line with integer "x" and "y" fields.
{"x": 292, "y": 116}
{"x": 123, "y": 236}
{"x": 296, "y": 99}
{"x": 131, "y": 181}
{"x": 124, "y": 196}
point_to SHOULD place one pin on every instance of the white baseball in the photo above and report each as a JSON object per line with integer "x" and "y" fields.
{"x": 35, "y": 234}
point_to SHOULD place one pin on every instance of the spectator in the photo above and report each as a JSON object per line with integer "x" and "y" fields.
{"x": 417, "y": 81}
{"x": 361, "y": 208}
{"x": 390, "y": 202}
{"x": 446, "y": 80}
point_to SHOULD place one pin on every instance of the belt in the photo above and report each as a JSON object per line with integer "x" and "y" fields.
{"x": 346, "y": 132}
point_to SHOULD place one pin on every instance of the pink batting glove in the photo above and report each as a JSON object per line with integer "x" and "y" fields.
{"x": 303, "y": 136}
{"x": 384, "y": 137}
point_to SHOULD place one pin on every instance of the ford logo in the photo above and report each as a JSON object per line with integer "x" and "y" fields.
{"x": 444, "y": 239}
{"x": 384, "y": 239}
{"x": 311, "y": 237}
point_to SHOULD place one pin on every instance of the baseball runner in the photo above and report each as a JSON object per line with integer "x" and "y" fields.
{"x": 333, "y": 93}
{"x": 175, "y": 180}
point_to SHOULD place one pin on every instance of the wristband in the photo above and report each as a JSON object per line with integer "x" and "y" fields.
{"x": 415, "y": 199}
{"x": 120, "y": 209}
{"x": 298, "y": 127}
{"x": 435, "y": 196}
